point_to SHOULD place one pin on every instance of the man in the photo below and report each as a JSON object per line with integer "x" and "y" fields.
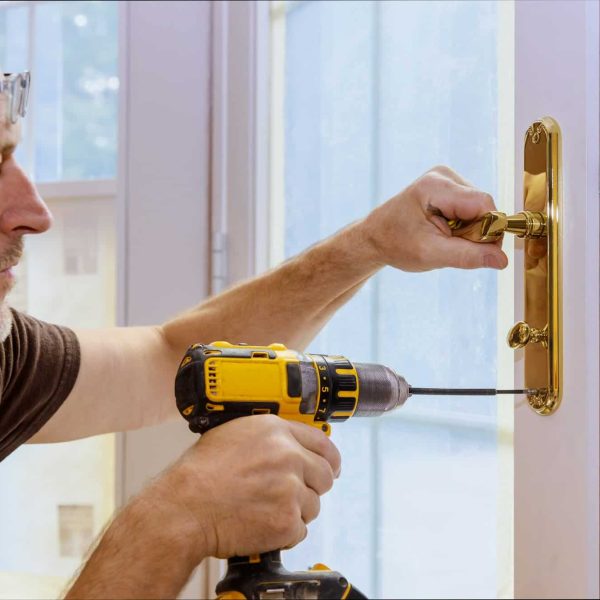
{"x": 248, "y": 486}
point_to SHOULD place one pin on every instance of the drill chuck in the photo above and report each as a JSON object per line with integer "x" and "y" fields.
{"x": 380, "y": 390}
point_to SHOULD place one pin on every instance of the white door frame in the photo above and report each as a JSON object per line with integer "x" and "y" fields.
{"x": 239, "y": 193}
{"x": 556, "y": 457}
{"x": 240, "y": 141}
{"x": 162, "y": 198}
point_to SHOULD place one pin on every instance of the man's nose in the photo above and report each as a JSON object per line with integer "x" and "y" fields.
{"x": 25, "y": 211}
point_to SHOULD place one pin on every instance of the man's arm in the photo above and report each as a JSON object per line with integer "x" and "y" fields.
{"x": 149, "y": 551}
{"x": 126, "y": 377}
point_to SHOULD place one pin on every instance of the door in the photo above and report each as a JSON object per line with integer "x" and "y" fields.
{"x": 556, "y": 458}
{"x": 342, "y": 104}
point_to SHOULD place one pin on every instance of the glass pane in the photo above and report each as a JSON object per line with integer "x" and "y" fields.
{"x": 376, "y": 93}
{"x": 75, "y": 93}
{"x": 14, "y": 39}
{"x": 437, "y": 524}
{"x": 77, "y": 254}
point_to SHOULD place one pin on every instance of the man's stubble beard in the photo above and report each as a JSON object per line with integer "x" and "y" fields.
{"x": 10, "y": 257}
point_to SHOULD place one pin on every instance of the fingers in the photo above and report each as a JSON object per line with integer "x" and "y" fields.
{"x": 316, "y": 441}
{"x": 451, "y": 174}
{"x": 318, "y": 474}
{"x": 453, "y": 195}
{"x": 322, "y": 461}
{"x": 310, "y": 506}
{"x": 300, "y": 536}
{"x": 456, "y": 198}
{"x": 464, "y": 254}
{"x": 458, "y": 201}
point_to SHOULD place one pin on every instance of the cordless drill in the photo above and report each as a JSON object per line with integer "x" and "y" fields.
{"x": 221, "y": 382}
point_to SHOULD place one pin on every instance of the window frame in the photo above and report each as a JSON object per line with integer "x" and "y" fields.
{"x": 240, "y": 141}
{"x": 61, "y": 188}
{"x": 240, "y": 186}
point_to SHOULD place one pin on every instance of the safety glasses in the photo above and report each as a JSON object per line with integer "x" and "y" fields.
{"x": 16, "y": 88}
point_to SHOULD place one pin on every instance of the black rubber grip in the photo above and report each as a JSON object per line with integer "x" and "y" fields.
{"x": 294, "y": 380}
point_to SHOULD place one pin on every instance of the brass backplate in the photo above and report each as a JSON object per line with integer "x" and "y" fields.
{"x": 541, "y": 192}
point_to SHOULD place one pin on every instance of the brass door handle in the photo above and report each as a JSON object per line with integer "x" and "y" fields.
{"x": 493, "y": 225}
{"x": 522, "y": 334}
{"x": 540, "y": 333}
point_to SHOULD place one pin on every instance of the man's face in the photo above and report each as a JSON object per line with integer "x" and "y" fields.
{"x": 22, "y": 211}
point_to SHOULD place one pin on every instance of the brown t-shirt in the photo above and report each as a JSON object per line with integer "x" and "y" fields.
{"x": 39, "y": 363}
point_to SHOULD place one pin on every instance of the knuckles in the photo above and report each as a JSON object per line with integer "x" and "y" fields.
{"x": 282, "y": 455}
{"x": 488, "y": 201}
{"x": 271, "y": 421}
{"x": 443, "y": 170}
{"x": 327, "y": 483}
{"x": 285, "y": 490}
{"x": 285, "y": 517}
{"x": 314, "y": 510}
{"x": 324, "y": 446}
{"x": 430, "y": 183}
{"x": 266, "y": 424}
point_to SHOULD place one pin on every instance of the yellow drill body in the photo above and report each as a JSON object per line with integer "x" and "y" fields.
{"x": 221, "y": 381}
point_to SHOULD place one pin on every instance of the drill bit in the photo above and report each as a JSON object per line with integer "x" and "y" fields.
{"x": 465, "y": 391}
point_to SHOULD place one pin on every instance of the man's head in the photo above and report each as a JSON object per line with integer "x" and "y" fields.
{"x": 22, "y": 211}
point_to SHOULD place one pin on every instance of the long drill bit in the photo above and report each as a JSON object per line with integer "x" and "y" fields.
{"x": 465, "y": 391}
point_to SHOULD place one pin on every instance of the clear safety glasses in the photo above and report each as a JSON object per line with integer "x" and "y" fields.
{"x": 16, "y": 88}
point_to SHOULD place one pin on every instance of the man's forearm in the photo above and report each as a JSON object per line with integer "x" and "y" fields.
{"x": 131, "y": 371}
{"x": 145, "y": 553}
{"x": 289, "y": 304}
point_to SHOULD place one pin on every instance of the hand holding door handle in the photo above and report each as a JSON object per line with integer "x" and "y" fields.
{"x": 492, "y": 226}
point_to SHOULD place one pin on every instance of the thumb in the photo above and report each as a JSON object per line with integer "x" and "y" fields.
{"x": 464, "y": 254}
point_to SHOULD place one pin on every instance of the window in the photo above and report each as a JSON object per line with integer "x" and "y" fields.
{"x": 66, "y": 276}
{"x": 366, "y": 96}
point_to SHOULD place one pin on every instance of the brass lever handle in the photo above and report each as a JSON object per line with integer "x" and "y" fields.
{"x": 492, "y": 225}
{"x": 522, "y": 334}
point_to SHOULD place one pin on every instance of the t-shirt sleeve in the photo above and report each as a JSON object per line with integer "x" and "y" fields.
{"x": 39, "y": 363}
